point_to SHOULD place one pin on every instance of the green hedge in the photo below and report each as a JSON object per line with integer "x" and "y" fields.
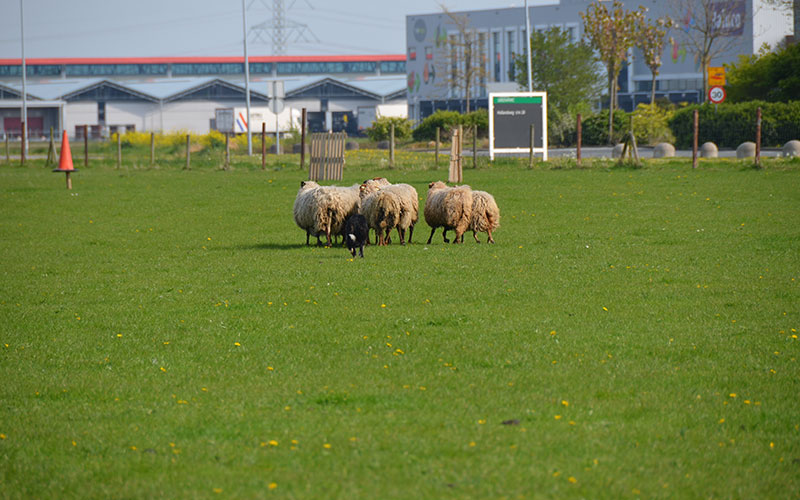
{"x": 446, "y": 120}
{"x": 594, "y": 129}
{"x": 381, "y": 127}
{"x": 729, "y": 125}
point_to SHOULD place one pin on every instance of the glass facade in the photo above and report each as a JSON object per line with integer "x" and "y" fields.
{"x": 393, "y": 67}
{"x": 208, "y": 69}
{"x": 35, "y": 70}
{"x": 298, "y": 68}
{"x": 115, "y": 69}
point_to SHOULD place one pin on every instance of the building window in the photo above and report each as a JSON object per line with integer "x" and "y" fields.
{"x": 393, "y": 67}
{"x": 101, "y": 113}
{"x": 510, "y": 51}
{"x": 497, "y": 55}
{"x": 208, "y": 69}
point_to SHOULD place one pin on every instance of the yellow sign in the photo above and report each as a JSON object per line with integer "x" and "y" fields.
{"x": 716, "y": 76}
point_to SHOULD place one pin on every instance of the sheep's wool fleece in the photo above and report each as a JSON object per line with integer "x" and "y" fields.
{"x": 450, "y": 207}
{"x": 485, "y": 212}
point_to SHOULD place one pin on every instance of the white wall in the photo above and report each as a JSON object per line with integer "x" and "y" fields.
{"x": 771, "y": 25}
{"x": 79, "y": 113}
{"x": 143, "y": 115}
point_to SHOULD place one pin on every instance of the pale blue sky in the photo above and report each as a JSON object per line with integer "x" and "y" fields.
{"x": 152, "y": 28}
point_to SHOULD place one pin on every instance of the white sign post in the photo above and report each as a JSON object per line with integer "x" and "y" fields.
{"x": 511, "y": 115}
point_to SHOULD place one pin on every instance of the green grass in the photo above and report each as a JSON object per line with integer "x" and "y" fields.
{"x": 160, "y": 328}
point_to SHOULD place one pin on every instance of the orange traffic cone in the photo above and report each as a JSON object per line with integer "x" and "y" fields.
{"x": 65, "y": 161}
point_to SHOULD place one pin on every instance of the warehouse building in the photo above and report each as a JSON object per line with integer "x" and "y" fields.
{"x": 162, "y": 94}
{"x": 501, "y": 35}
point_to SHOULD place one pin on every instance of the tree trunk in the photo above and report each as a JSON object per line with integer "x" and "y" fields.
{"x": 612, "y": 103}
{"x": 653, "y": 90}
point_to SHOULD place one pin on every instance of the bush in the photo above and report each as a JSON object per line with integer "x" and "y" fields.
{"x": 479, "y": 118}
{"x": 239, "y": 142}
{"x": 595, "y": 128}
{"x": 650, "y": 124}
{"x": 445, "y": 120}
{"x": 729, "y": 125}
{"x": 381, "y": 128}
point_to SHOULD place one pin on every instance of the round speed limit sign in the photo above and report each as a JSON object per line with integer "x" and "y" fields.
{"x": 716, "y": 95}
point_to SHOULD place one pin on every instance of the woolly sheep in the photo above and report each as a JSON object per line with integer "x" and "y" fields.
{"x": 485, "y": 214}
{"x": 381, "y": 210}
{"x": 408, "y": 199}
{"x": 450, "y": 208}
{"x": 323, "y": 209}
{"x": 304, "y": 208}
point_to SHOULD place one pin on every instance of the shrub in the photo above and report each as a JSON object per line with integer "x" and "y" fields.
{"x": 445, "y": 120}
{"x": 650, "y": 124}
{"x": 729, "y": 125}
{"x": 212, "y": 140}
{"x": 239, "y": 142}
{"x": 381, "y": 128}
{"x": 479, "y": 117}
{"x": 595, "y": 128}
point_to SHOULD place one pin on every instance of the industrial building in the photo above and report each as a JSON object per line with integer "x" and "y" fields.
{"x": 167, "y": 94}
{"x": 432, "y": 39}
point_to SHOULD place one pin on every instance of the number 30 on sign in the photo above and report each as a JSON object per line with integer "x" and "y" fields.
{"x": 716, "y": 95}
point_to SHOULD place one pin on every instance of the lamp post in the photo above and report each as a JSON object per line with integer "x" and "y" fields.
{"x": 24, "y": 121}
{"x": 247, "y": 80}
{"x": 528, "y": 44}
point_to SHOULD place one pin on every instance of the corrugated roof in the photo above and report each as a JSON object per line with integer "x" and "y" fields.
{"x": 165, "y": 89}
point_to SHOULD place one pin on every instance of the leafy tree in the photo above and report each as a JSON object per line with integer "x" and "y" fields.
{"x": 769, "y": 76}
{"x": 567, "y": 71}
{"x": 651, "y": 42}
{"x": 612, "y": 33}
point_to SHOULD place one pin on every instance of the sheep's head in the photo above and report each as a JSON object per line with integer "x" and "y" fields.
{"x": 436, "y": 185}
{"x": 370, "y": 186}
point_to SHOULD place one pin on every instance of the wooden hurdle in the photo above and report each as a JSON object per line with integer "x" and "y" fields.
{"x": 327, "y": 156}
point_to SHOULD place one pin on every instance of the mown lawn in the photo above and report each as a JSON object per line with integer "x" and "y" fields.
{"x": 632, "y": 334}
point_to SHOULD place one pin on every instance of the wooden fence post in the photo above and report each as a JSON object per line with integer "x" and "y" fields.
{"x": 474, "y": 146}
{"x": 758, "y": 137}
{"x": 51, "y": 150}
{"x": 436, "y": 154}
{"x": 303, "y": 140}
{"x": 227, "y": 150}
{"x": 119, "y": 149}
{"x": 391, "y": 145}
{"x": 188, "y": 152}
{"x": 86, "y": 145}
{"x": 579, "y": 132}
{"x": 530, "y": 153}
{"x": 263, "y": 146}
{"x": 8, "y": 158}
{"x": 152, "y": 149}
{"x": 695, "y": 135}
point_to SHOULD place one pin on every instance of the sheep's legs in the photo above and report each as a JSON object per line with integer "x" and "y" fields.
{"x": 431, "y": 236}
{"x": 308, "y": 235}
{"x": 491, "y": 240}
{"x": 402, "y": 233}
{"x": 444, "y": 236}
{"x": 410, "y": 232}
{"x": 360, "y": 251}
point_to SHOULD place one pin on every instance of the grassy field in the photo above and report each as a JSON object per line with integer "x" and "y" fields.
{"x": 632, "y": 334}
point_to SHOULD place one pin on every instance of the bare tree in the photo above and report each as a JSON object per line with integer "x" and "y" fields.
{"x": 464, "y": 62}
{"x": 709, "y": 28}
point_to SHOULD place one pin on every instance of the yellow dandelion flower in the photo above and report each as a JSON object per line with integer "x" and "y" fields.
{"x": 722, "y": 420}
{"x": 472, "y": 443}
{"x": 564, "y": 402}
{"x": 558, "y": 417}
{"x": 733, "y": 394}
{"x": 272, "y": 486}
{"x": 163, "y": 369}
{"x": 2, "y": 436}
{"x": 217, "y": 490}
{"x": 273, "y": 443}
{"x": 572, "y": 480}
{"x": 327, "y": 446}
{"x": 237, "y": 344}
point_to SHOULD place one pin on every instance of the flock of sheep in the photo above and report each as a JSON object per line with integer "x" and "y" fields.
{"x": 382, "y": 206}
